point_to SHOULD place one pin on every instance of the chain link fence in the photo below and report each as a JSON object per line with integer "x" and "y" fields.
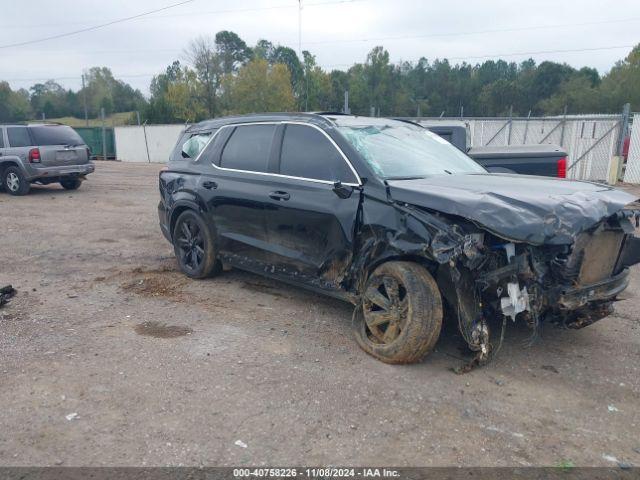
{"x": 590, "y": 141}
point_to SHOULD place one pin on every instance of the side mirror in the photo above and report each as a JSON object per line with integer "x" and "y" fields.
{"x": 342, "y": 191}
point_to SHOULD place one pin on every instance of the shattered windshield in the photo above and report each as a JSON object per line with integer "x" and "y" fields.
{"x": 404, "y": 151}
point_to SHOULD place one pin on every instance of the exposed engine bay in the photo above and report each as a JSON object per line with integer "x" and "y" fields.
{"x": 570, "y": 285}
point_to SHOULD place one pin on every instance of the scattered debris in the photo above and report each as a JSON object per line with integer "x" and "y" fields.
{"x": 160, "y": 330}
{"x": 240, "y": 443}
{"x": 550, "y": 368}
{"x": 612, "y": 408}
{"x": 71, "y": 416}
{"x": 6, "y": 293}
{"x": 610, "y": 458}
{"x": 625, "y": 465}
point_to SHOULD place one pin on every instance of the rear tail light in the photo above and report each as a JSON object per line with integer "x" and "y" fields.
{"x": 562, "y": 167}
{"x": 34, "y": 155}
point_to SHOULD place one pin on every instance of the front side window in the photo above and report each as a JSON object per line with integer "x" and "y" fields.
{"x": 19, "y": 137}
{"x": 248, "y": 148}
{"x": 406, "y": 151}
{"x": 192, "y": 147}
{"x": 307, "y": 153}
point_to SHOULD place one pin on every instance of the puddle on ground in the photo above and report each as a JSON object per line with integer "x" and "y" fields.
{"x": 161, "y": 330}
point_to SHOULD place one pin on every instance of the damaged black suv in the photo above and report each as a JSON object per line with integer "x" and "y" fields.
{"x": 391, "y": 217}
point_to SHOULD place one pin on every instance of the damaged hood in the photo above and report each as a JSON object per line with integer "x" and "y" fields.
{"x": 522, "y": 208}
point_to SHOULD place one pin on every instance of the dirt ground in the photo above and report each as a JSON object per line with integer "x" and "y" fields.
{"x": 109, "y": 356}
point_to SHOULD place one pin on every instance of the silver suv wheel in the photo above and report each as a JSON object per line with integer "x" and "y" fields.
{"x": 13, "y": 182}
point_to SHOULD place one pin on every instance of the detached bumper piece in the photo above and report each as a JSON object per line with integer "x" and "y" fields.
{"x": 605, "y": 290}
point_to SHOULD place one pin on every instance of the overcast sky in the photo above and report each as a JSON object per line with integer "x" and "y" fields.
{"x": 338, "y": 32}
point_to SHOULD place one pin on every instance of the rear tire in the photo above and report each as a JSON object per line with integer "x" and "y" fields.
{"x": 401, "y": 313}
{"x": 193, "y": 244}
{"x": 70, "y": 183}
{"x": 14, "y": 182}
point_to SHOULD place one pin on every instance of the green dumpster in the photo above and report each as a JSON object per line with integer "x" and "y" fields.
{"x": 93, "y": 138}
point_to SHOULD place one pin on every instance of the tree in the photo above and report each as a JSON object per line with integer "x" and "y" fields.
{"x": 259, "y": 87}
{"x": 202, "y": 54}
{"x": 232, "y": 51}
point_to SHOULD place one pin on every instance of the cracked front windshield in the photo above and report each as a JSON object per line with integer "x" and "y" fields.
{"x": 406, "y": 151}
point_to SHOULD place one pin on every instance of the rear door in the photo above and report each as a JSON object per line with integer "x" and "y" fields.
{"x": 235, "y": 184}
{"x": 59, "y": 145}
{"x": 310, "y": 223}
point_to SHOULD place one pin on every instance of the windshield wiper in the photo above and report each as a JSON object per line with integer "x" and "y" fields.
{"x": 406, "y": 178}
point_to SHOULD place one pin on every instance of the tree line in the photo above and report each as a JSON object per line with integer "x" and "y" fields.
{"x": 222, "y": 75}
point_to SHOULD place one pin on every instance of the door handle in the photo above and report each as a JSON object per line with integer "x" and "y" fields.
{"x": 278, "y": 195}
{"x": 208, "y": 184}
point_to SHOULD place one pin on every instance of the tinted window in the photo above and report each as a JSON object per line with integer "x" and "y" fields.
{"x": 194, "y": 145}
{"x": 55, "y": 135}
{"x": 248, "y": 148}
{"x": 19, "y": 137}
{"x": 1, "y": 138}
{"x": 307, "y": 153}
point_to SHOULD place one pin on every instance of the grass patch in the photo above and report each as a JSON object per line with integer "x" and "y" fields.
{"x": 116, "y": 119}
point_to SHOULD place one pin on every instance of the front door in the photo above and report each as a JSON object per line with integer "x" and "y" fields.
{"x": 311, "y": 223}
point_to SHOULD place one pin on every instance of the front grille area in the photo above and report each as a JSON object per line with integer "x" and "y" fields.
{"x": 600, "y": 255}
{"x": 592, "y": 258}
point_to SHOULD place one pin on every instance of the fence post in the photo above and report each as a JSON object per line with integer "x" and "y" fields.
{"x": 526, "y": 128}
{"x": 104, "y": 136}
{"x": 146, "y": 144}
{"x": 510, "y": 124}
{"x": 564, "y": 122}
{"x": 624, "y": 126}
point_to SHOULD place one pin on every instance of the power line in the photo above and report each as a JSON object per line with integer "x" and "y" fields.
{"x": 477, "y": 32}
{"x": 201, "y": 12}
{"x": 514, "y": 54}
{"x": 96, "y": 27}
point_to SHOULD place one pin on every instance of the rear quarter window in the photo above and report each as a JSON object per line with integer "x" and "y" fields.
{"x": 55, "y": 135}
{"x": 193, "y": 145}
{"x": 19, "y": 137}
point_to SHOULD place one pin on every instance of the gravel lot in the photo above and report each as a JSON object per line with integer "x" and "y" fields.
{"x": 162, "y": 370}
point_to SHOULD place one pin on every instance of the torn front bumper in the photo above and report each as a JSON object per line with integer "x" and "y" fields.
{"x": 605, "y": 290}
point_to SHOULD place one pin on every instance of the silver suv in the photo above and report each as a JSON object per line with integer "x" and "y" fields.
{"x": 44, "y": 154}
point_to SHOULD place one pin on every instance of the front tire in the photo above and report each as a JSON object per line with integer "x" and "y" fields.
{"x": 70, "y": 183}
{"x": 193, "y": 245}
{"x": 400, "y": 316}
{"x": 14, "y": 182}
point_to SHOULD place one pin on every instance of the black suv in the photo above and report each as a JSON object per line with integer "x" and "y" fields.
{"x": 389, "y": 216}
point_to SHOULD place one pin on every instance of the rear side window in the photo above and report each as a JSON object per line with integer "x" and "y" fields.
{"x": 19, "y": 137}
{"x": 248, "y": 148}
{"x": 192, "y": 147}
{"x": 55, "y": 135}
{"x": 307, "y": 153}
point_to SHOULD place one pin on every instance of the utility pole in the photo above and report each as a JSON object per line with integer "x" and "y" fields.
{"x": 84, "y": 95}
{"x": 300, "y": 28}
{"x": 306, "y": 76}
